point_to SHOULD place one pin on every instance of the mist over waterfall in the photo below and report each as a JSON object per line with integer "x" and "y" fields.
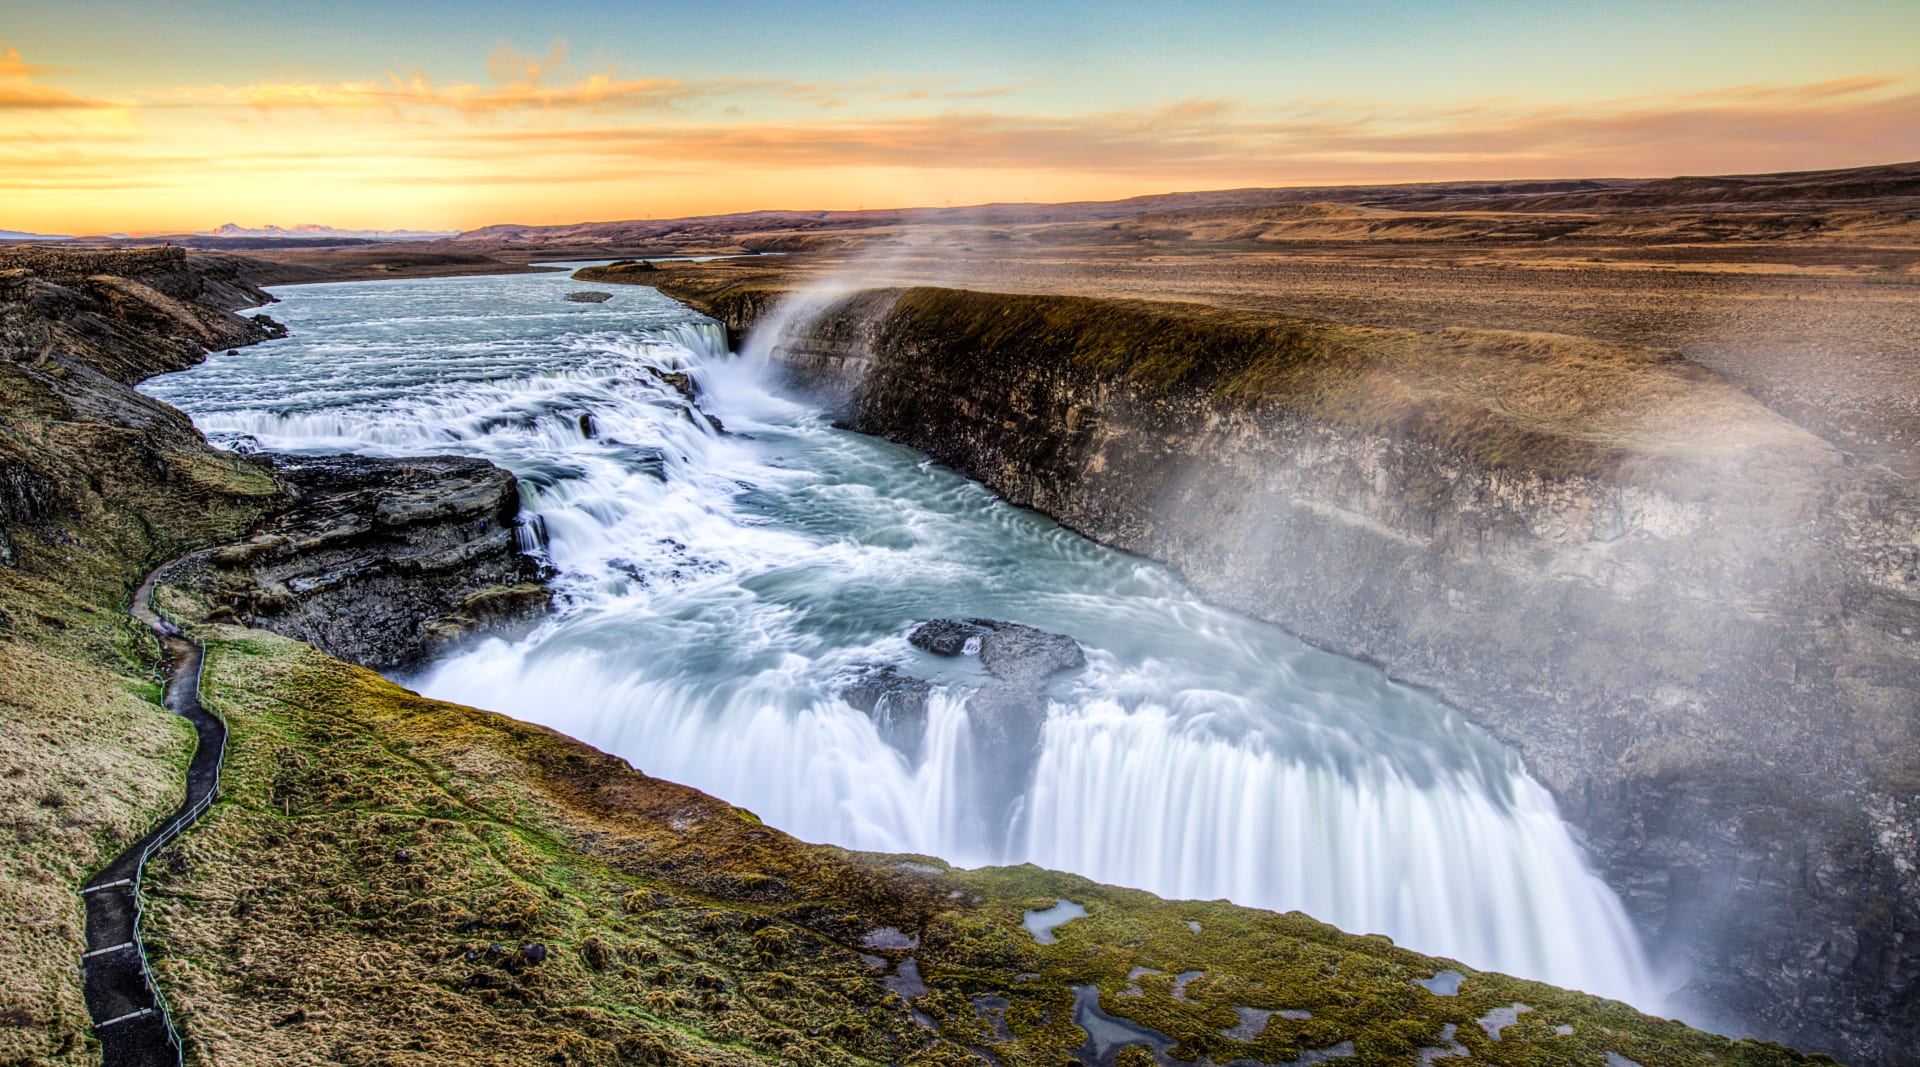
{"x": 727, "y": 561}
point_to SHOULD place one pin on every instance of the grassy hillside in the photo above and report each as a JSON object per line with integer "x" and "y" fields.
{"x": 396, "y": 880}
{"x": 96, "y": 483}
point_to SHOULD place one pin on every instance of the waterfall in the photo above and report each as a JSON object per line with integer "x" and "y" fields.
{"x": 717, "y": 589}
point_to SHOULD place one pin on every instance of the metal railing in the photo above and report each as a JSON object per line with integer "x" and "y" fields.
{"x": 174, "y": 829}
{"x": 176, "y": 826}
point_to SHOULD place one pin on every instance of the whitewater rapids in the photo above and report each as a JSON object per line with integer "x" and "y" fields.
{"x": 717, "y": 587}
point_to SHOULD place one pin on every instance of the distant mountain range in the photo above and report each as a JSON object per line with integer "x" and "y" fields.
{"x": 313, "y": 231}
{"x": 16, "y": 235}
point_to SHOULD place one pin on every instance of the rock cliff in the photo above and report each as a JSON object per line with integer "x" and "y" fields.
{"x": 1698, "y": 623}
{"x": 381, "y": 562}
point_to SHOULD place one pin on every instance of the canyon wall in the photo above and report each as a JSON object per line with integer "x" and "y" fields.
{"x": 1695, "y": 621}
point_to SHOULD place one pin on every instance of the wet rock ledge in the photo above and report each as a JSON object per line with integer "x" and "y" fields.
{"x": 386, "y": 563}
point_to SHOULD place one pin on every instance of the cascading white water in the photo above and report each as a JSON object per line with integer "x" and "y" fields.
{"x": 718, "y": 588}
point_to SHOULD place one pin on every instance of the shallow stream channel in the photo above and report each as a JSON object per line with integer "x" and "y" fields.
{"x": 739, "y": 580}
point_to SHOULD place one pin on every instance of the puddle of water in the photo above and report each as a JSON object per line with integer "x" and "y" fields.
{"x": 1444, "y": 984}
{"x": 1108, "y": 1034}
{"x": 1252, "y": 1021}
{"x": 994, "y": 1011}
{"x": 1321, "y": 1055}
{"x": 1133, "y": 981}
{"x": 1041, "y": 924}
{"x": 1180, "y": 985}
{"x": 1193, "y": 925}
{"x": 889, "y": 937}
{"x": 906, "y": 981}
{"x": 1293, "y": 1013}
{"x": 1451, "y": 1050}
{"x": 1614, "y": 1059}
{"x": 1499, "y": 1019}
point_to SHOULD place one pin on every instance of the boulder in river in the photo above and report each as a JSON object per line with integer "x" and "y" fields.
{"x": 1026, "y": 656}
{"x": 680, "y": 381}
{"x": 947, "y": 637}
{"x": 895, "y": 701}
{"x": 1010, "y": 651}
{"x": 589, "y": 296}
{"x": 1006, "y": 715}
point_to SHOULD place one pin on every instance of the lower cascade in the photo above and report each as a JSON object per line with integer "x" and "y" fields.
{"x": 736, "y": 573}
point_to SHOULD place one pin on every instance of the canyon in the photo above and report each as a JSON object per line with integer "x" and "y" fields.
{"x": 463, "y": 885}
{"x": 1695, "y": 619}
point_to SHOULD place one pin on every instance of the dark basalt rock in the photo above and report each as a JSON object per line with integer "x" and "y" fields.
{"x": 946, "y": 637}
{"x": 589, "y": 297}
{"x": 1025, "y": 656}
{"x": 589, "y": 429}
{"x": 124, "y": 314}
{"x": 896, "y": 702}
{"x": 381, "y": 562}
{"x": 680, "y": 381}
{"x": 1010, "y": 651}
{"x": 1006, "y": 715}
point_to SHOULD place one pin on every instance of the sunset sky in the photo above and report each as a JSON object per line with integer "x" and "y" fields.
{"x": 170, "y": 117}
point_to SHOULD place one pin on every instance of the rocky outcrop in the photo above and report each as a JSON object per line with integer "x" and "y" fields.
{"x": 1006, "y": 714}
{"x": 589, "y": 297}
{"x": 895, "y": 701}
{"x": 386, "y": 563}
{"x": 127, "y": 314}
{"x": 1699, "y": 626}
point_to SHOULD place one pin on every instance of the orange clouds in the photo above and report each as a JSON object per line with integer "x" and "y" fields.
{"x": 19, "y": 91}
{"x": 891, "y": 89}
{"x": 1777, "y": 127}
{"x": 520, "y": 83}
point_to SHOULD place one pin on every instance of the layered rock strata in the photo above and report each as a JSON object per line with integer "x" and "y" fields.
{"x": 386, "y": 563}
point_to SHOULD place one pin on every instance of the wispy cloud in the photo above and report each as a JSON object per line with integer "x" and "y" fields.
{"x": 517, "y": 82}
{"x": 883, "y": 88}
{"x": 525, "y": 82}
{"x": 20, "y": 92}
{"x": 1205, "y": 139}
